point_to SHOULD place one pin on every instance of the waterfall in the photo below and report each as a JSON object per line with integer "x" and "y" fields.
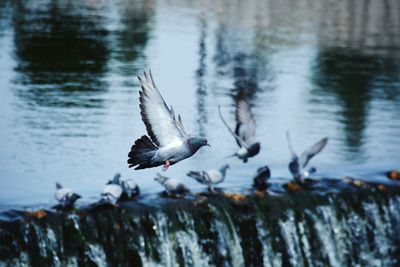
{"x": 349, "y": 228}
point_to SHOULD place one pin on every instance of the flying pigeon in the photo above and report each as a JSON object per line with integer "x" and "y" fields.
{"x": 297, "y": 165}
{"x": 172, "y": 186}
{"x": 244, "y": 132}
{"x": 210, "y": 177}
{"x": 261, "y": 178}
{"x": 168, "y": 143}
{"x": 65, "y": 196}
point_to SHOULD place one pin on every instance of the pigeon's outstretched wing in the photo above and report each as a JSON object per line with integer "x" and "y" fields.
{"x": 245, "y": 122}
{"x": 161, "y": 125}
{"x": 312, "y": 151}
{"x": 237, "y": 138}
{"x": 292, "y": 153}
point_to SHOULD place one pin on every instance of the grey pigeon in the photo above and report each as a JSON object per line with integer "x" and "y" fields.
{"x": 168, "y": 143}
{"x": 262, "y": 176}
{"x": 244, "y": 132}
{"x": 65, "y": 196}
{"x": 210, "y": 177}
{"x": 112, "y": 191}
{"x": 172, "y": 186}
{"x": 130, "y": 189}
{"x": 297, "y": 165}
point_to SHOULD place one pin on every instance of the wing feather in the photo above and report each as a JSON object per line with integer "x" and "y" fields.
{"x": 161, "y": 124}
{"x": 292, "y": 153}
{"x": 245, "y": 122}
{"x": 237, "y": 138}
{"x": 312, "y": 151}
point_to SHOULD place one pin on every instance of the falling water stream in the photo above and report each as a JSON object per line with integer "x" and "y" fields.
{"x": 353, "y": 227}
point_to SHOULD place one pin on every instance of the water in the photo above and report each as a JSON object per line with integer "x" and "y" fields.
{"x": 69, "y": 109}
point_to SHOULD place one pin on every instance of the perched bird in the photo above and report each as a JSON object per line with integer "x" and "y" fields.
{"x": 297, "y": 165}
{"x": 168, "y": 143}
{"x": 65, "y": 196}
{"x": 130, "y": 189}
{"x": 245, "y": 130}
{"x": 261, "y": 178}
{"x": 173, "y": 187}
{"x": 210, "y": 177}
{"x": 112, "y": 191}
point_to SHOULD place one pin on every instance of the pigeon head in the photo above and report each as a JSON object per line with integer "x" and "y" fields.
{"x": 312, "y": 170}
{"x": 115, "y": 180}
{"x": 74, "y": 197}
{"x": 196, "y": 142}
{"x": 224, "y": 168}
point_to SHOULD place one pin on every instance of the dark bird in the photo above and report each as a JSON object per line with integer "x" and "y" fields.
{"x": 245, "y": 130}
{"x": 297, "y": 165}
{"x": 173, "y": 187}
{"x": 65, "y": 196}
{"x": 168, "y": 143}
{"x": 260, "y": 179}
{"x": 209, "y": 177}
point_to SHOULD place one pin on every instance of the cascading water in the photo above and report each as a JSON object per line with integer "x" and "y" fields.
{"x": 354, "y": 227}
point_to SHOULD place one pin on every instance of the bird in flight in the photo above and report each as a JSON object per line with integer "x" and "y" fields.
{"x": 245, "y": 130}
{"x": 297, "y": 164}
{"x": 167, "y": 142}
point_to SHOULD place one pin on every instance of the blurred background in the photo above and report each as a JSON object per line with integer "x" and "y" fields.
{"x": 69, "y": 93}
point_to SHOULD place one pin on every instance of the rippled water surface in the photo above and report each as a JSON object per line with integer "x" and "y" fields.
{"x": 69, "y": 93}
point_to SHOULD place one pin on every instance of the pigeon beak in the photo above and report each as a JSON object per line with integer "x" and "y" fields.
{"x": 208, "y": 144}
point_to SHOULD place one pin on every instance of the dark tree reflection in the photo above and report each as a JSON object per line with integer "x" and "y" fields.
{"x": 350, "y": 76}
{"x": 357, "y": 62}
{"x": 201, "y": 90}
{"x": 133, "y": 34}
{"x": 61, "y": 51}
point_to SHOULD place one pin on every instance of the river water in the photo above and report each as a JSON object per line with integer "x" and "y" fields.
{"x": 69, "y": 93}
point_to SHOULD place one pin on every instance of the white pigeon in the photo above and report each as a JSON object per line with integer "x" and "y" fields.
{"x": 65, "y": 196}
{"x": 209, "y": 177}
{"x": 112, "y": 191}
{"x": 168, "y": 143}
{"x": 297, "y": 164}
{"x": 130, "y": 189}
{"x": 172, "y": 186}
{"x": 245, "y": 130}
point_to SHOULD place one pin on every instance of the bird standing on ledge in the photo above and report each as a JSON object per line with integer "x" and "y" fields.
{"x": 168, "y": 142}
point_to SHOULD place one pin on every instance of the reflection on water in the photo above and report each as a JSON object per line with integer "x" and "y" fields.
{"x": 70, "y": 96}
{"x": 350, "y": 76}
{"x": 61, "y": 54}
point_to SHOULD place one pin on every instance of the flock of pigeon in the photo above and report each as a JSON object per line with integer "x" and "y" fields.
{"x": 168, "y": 143}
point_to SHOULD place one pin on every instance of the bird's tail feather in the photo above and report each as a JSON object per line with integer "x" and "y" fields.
{"x": 194, "y": 174}
{"x": 232, "y": 155}
{"x": 142, "y": 153}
